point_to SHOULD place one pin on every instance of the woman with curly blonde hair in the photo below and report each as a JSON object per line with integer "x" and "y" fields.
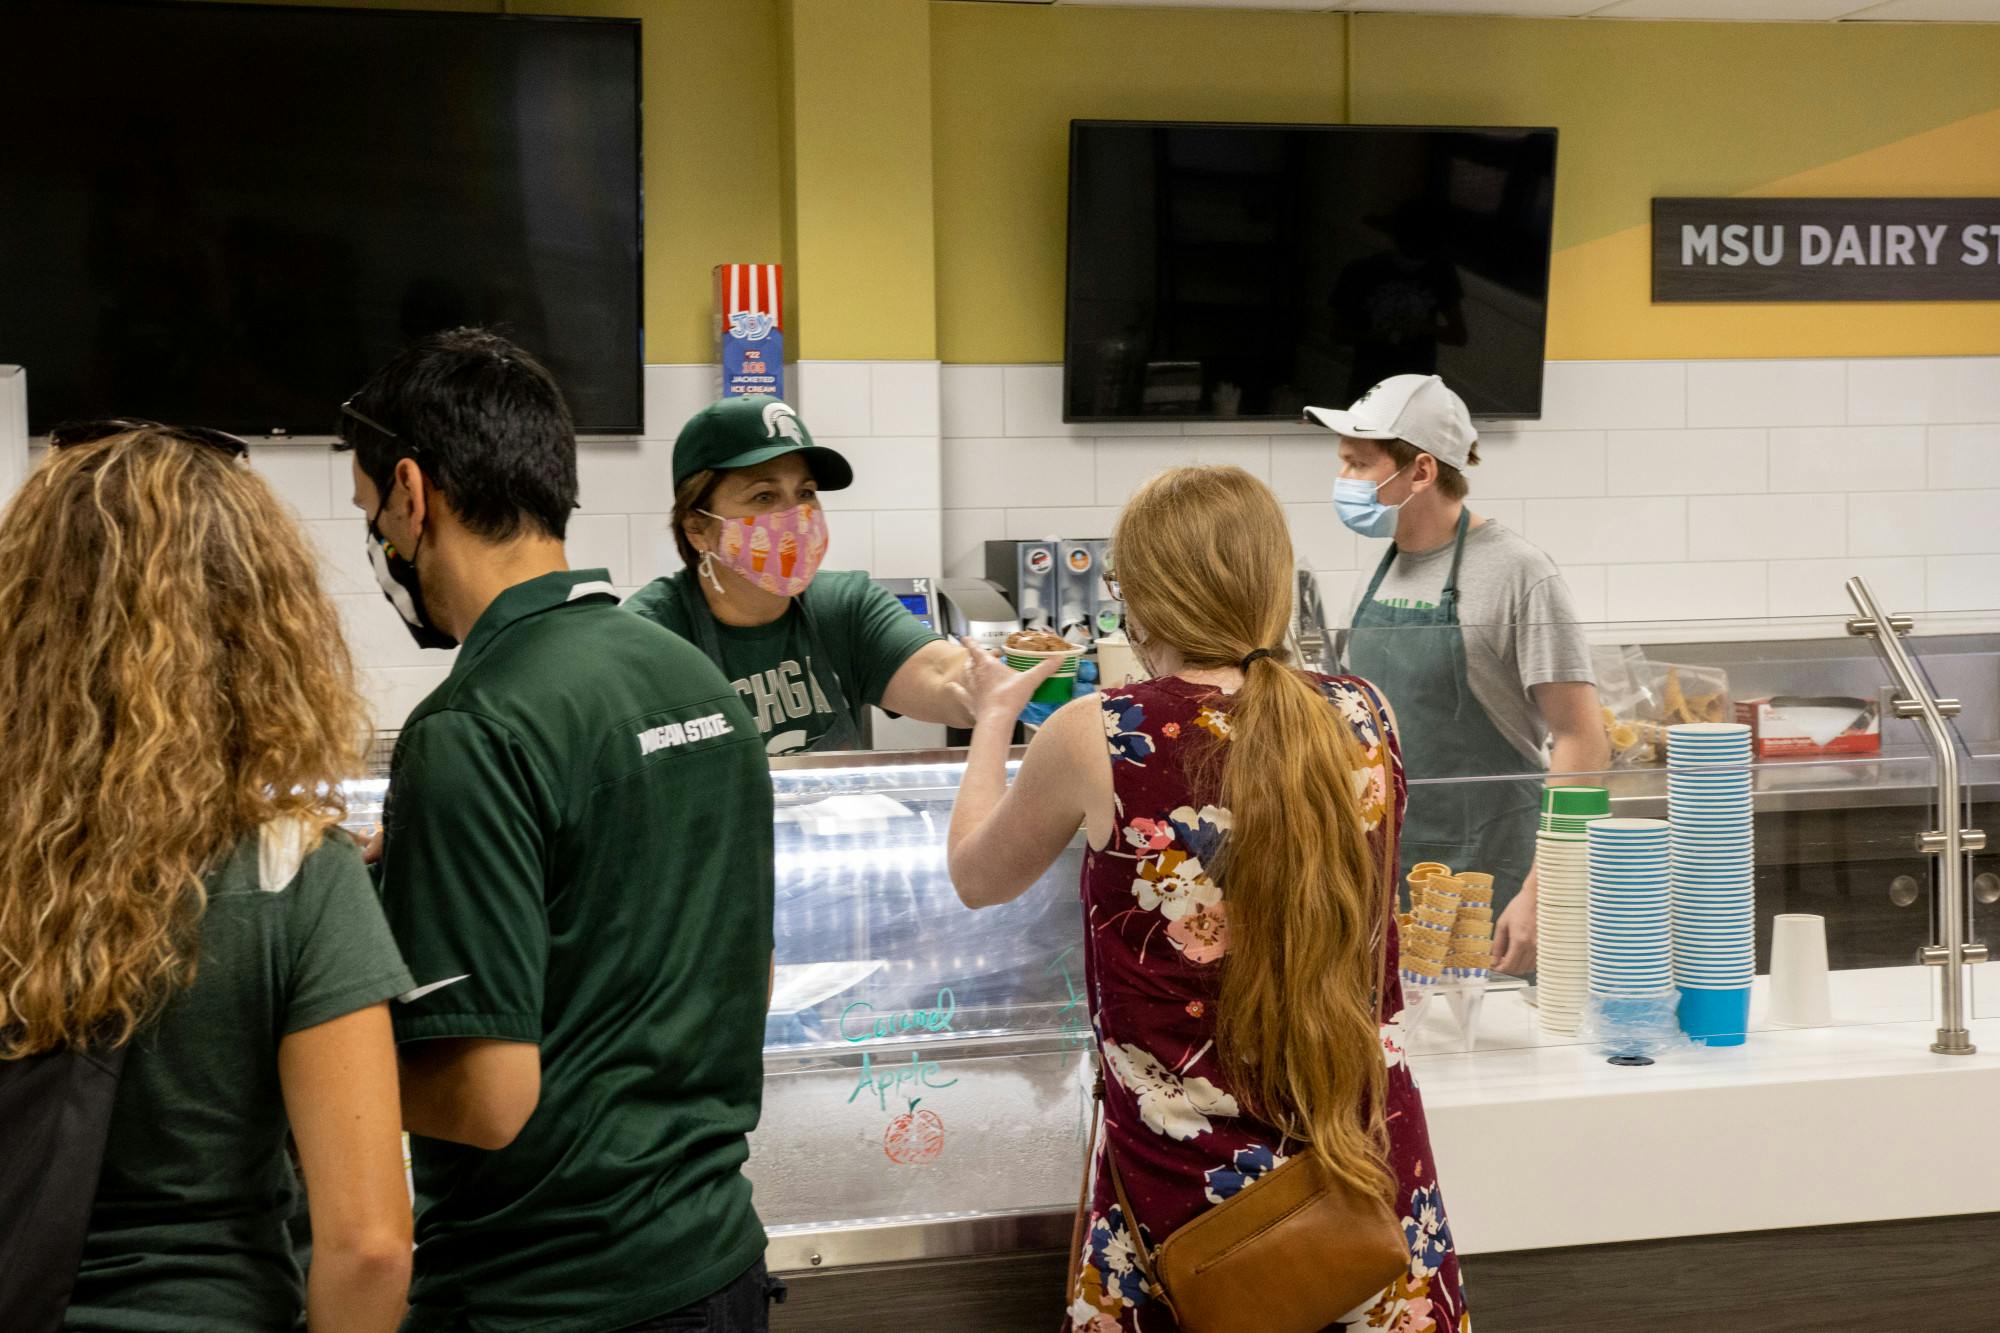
{"x": 176, "y": 709}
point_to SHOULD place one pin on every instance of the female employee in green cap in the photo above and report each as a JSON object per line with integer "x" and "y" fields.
{"x": 808, "y": 649}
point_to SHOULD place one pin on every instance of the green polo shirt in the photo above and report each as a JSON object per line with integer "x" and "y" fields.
{"x": 578, "y": 855}
{"x": 865, "y": 635}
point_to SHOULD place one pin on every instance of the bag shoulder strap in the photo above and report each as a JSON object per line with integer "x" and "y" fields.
{"x": 1140, "y": 1250}
{"x": 1078, "y": 1227}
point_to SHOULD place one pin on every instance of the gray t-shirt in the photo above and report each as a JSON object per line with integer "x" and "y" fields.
{"x": 1519, "y": 623}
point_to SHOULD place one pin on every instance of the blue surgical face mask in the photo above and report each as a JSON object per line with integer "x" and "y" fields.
{"x": 1359, "y": 504}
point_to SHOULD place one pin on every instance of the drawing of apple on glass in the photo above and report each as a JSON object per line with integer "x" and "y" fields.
{"x": 914, "y": 1137}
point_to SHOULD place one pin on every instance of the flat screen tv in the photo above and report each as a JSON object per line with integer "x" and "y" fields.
{"x": 228, "y": 215}
{"x": 1220, "y": 272}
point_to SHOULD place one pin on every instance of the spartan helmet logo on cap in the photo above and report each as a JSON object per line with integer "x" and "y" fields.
{"x": 781, "y": 422}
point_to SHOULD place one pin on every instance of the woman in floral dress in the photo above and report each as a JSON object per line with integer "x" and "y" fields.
{"x": 1309, "y": 765}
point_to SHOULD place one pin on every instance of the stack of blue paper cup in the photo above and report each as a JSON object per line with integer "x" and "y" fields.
{"x": 1631, "y": 920}
{"x": 1711, "y": 869}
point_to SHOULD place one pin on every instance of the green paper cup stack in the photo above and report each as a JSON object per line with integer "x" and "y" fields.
{"x": 1569, "y": 811}
{"x": 1057, "y": 689}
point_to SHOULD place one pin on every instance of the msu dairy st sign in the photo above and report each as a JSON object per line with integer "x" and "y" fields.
{"x": 1826, "y": 250}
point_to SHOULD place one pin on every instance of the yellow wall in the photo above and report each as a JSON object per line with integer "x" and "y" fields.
{"x": 857, "y": 144}
{"x": 1643, "y": 109}
{"x": 1651, "y": 109}
{"x": 1005, "y": 82}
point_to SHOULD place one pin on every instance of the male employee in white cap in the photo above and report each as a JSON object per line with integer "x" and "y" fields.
{"x": 1471, "y": 634}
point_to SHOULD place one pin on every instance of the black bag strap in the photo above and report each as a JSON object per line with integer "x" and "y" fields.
{"x": 1140, "y": 1250}
{"x": 57, "y": 1109}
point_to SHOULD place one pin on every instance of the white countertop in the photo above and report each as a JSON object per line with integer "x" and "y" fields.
{"x": 1541, "y": 1143}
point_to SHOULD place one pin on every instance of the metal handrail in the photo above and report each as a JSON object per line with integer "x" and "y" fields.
{"x": 1951, "y": 841}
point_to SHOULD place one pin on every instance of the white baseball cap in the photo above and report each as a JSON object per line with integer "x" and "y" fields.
{"x": 1417, "y": 409}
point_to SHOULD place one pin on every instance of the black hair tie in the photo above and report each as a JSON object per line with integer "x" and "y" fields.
{"x": 1244, "y": 665}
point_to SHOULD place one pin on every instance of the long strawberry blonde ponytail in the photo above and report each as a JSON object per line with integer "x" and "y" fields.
{"x": 1204, "y": 560}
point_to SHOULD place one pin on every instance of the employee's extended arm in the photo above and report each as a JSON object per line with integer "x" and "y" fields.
{"x": 930, "y": 687}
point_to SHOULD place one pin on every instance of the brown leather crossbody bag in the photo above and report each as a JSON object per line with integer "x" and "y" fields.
{"x": 1296, "y": 1250}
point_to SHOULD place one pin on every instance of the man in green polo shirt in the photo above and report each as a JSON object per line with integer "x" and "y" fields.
{"x": 577, "y": 866}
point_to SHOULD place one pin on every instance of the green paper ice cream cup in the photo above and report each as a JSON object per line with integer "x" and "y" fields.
{"x": 1056, "y": 689}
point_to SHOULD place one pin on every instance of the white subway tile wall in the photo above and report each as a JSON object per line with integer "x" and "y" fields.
{"x": 1664, "y": 489}
{"x": 1613, "y": 395}
{"x": 1767, "y": 393}
{"x": 973, "y": 398}
{"x": 1963, "y": 457}
{"x": 1961, "y": 582}
{"x": 1819, "y": 587}
{"x": 1685, "y": 462}
{"x": 884, "y": 415}
{"x": 1688, "y": 590}
{"x": 1538, "y": 464}
{"x": 1848, "y": 458}
{"x": 1767, "y": 527}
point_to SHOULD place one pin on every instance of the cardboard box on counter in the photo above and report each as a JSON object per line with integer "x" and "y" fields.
{"x": 1800, "y": 727}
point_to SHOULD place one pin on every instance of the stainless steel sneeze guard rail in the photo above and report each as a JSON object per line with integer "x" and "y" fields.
{"x": 1951, "y": 841}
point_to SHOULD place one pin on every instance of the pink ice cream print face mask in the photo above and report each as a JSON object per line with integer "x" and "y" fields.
{"x": 778, "y": 552}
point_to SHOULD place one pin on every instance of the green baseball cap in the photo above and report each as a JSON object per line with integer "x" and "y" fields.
{"x": 742, "y": 432}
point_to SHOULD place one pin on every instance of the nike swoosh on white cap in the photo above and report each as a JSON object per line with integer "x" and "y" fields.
{"x": 408, "y": 997}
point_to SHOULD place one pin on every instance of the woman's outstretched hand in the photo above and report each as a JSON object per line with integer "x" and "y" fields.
{"x": 999, "y": 692}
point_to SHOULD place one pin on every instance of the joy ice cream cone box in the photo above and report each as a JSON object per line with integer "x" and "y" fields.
{"x": 749, "y": 329}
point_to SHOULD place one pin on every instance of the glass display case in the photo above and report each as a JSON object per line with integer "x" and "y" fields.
{"x": 928, "y": 1066}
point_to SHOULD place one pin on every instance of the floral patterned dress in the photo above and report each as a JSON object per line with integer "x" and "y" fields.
{"x": 1157, "y": 927}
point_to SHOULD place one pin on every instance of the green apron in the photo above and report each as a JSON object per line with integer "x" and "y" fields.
{"x": 1417, "y": 659}
{"x": 845, "y": 733}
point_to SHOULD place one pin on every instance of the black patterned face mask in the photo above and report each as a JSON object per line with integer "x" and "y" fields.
{"x": 398, "y": 579}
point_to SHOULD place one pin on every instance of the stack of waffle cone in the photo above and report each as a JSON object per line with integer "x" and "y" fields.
{"x": 1470, "y": 952}
{"x": 1434, "y": 901}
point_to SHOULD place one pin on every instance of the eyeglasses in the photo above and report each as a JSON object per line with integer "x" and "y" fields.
{"x": 72, "y": 433}
{"x": 347, "y": 409}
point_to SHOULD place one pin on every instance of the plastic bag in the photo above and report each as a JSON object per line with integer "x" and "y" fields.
{"x": 1634, "y": 1029}
{"x": 1641, "y": 698}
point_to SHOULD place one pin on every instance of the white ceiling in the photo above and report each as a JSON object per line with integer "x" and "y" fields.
{"x": 1760, "y": 11}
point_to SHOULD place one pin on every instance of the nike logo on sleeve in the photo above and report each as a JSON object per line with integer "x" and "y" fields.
{"x": 410, "y": 997}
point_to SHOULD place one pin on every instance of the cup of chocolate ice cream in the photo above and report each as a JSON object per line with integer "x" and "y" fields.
{"x": 1028, "y": 648}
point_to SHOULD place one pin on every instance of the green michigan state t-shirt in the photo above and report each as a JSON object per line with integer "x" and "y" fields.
{"x": 188, "y": 1231}
{"x": 865, "y": 634}
{"x": 578, "y": 855}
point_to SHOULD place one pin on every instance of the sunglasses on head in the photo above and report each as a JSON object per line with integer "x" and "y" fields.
{"x": 73, "y": 433}
{"x": 348, "y": 409}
